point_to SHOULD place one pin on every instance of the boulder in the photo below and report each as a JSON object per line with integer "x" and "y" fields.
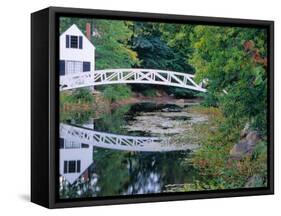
{"x": 254, "y": 181}
{"x": 245, "y": 146}
{"x": 245, "y": 130}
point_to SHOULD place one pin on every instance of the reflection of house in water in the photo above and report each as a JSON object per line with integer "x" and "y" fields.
{"x": 75, "y": 158}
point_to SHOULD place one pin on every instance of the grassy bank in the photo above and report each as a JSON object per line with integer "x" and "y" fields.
{"x": 217, "y": 170}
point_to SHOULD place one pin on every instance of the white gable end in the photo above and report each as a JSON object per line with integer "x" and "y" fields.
{"x": 74, "y": 57}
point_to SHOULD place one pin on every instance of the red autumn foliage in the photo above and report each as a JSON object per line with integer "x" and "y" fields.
{"x": 249, "y": 46}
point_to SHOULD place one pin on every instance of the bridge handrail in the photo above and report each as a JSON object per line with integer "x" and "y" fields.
{"x": 139, "y": 75}
{"x": 65, "y": 126}
{"x": 143, "y": 70}
{"x": 120, "y": 142}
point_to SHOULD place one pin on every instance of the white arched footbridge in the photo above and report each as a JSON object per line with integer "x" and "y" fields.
{"x": 120, "y": 142}
{"x": 119, "y": 76}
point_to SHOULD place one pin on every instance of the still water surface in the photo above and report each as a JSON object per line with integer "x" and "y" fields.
{"x": 107, "y": 172}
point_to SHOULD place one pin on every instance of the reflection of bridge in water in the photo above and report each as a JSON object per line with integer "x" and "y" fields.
{"x": 76, "y": 147}
{"x": 120, "y": 142}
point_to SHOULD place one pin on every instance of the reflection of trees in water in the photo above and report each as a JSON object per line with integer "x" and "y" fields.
{"x": 150, "y": 172}
{"x": 111, "y": 167}
{"x": 105, "y": 122}
{"x": 117, "y": 172}
{"x": 75, "y": 117}
{"x": 113, "y": 122}
{"x": 84, "y": 186}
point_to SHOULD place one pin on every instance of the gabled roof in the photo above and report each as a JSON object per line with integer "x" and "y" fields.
{"x": 75, "y": 29}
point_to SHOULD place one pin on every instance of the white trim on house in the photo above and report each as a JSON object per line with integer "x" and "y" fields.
{"x": 78, "y": 59}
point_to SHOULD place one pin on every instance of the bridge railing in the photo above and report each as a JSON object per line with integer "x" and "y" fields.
{"x": 106, "y": 140}
{"x": 119, "y": 142}
{"x": 118, "y": 76}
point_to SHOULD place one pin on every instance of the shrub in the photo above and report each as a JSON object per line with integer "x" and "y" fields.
{"x": 117, "y": 92}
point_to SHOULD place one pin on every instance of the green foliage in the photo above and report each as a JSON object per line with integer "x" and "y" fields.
{"x": 149, "y": 41}
{"x": 117, "y": 92}
{"x": 209, "y": 100}
{"x": 113, "y": 121}
{"x": 82, "y": 95}
{"x": 112, "y": 44}
{"x": 213, "y": 161}
{"x": 76, "y": 117}
{"x": 233, "y": 61}
{"x": 230, "y": 59}
{"x": 153, "y": 51}
{"x": 150, "y": 92}
{"x": 110, "y": 40}
{"x": 77, "y": 96}
{"x": 181, "y": 93}
{"x": 177, "y": 38}
{"x": 111, "y": 166}
{"x": 66, "y": 22}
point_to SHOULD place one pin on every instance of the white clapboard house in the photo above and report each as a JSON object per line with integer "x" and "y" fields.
{"x": 75, "y": 158}
{"x": 77, "y": 53}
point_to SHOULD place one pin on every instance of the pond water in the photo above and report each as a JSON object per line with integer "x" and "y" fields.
{"x": 88, "y": 171}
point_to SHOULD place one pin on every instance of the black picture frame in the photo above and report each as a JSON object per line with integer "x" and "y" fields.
{"x": 45, "y": 117}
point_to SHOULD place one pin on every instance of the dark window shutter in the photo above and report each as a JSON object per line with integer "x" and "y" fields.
{"x": 62, "y": 67}
{"x": 65, "y": 167}
{"x": 84, "y": 145}
{"x": 78, "y": 166}
{"x": 86, "y": 66}
{"x": 67, "y": 41}
{"x": 80, "y": 42}
{"x": 61, "y": 143}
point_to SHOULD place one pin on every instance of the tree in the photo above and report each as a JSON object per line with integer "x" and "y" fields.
{"x": 233, "y": 59}
{"x": 154, "y": 52}
{"x": 112, "y": 47}
{"x": 110, "y": 39}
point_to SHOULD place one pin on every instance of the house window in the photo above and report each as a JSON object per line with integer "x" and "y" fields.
{"x": 72, "y": 166}
{"x": 68, "y": 144}
{"x": 86, "y": 66}
{"x": 73, "y": 41}
{"x": 72, "y": 67}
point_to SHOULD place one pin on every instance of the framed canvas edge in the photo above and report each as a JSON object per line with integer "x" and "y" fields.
{"x": 54, "y": 12}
